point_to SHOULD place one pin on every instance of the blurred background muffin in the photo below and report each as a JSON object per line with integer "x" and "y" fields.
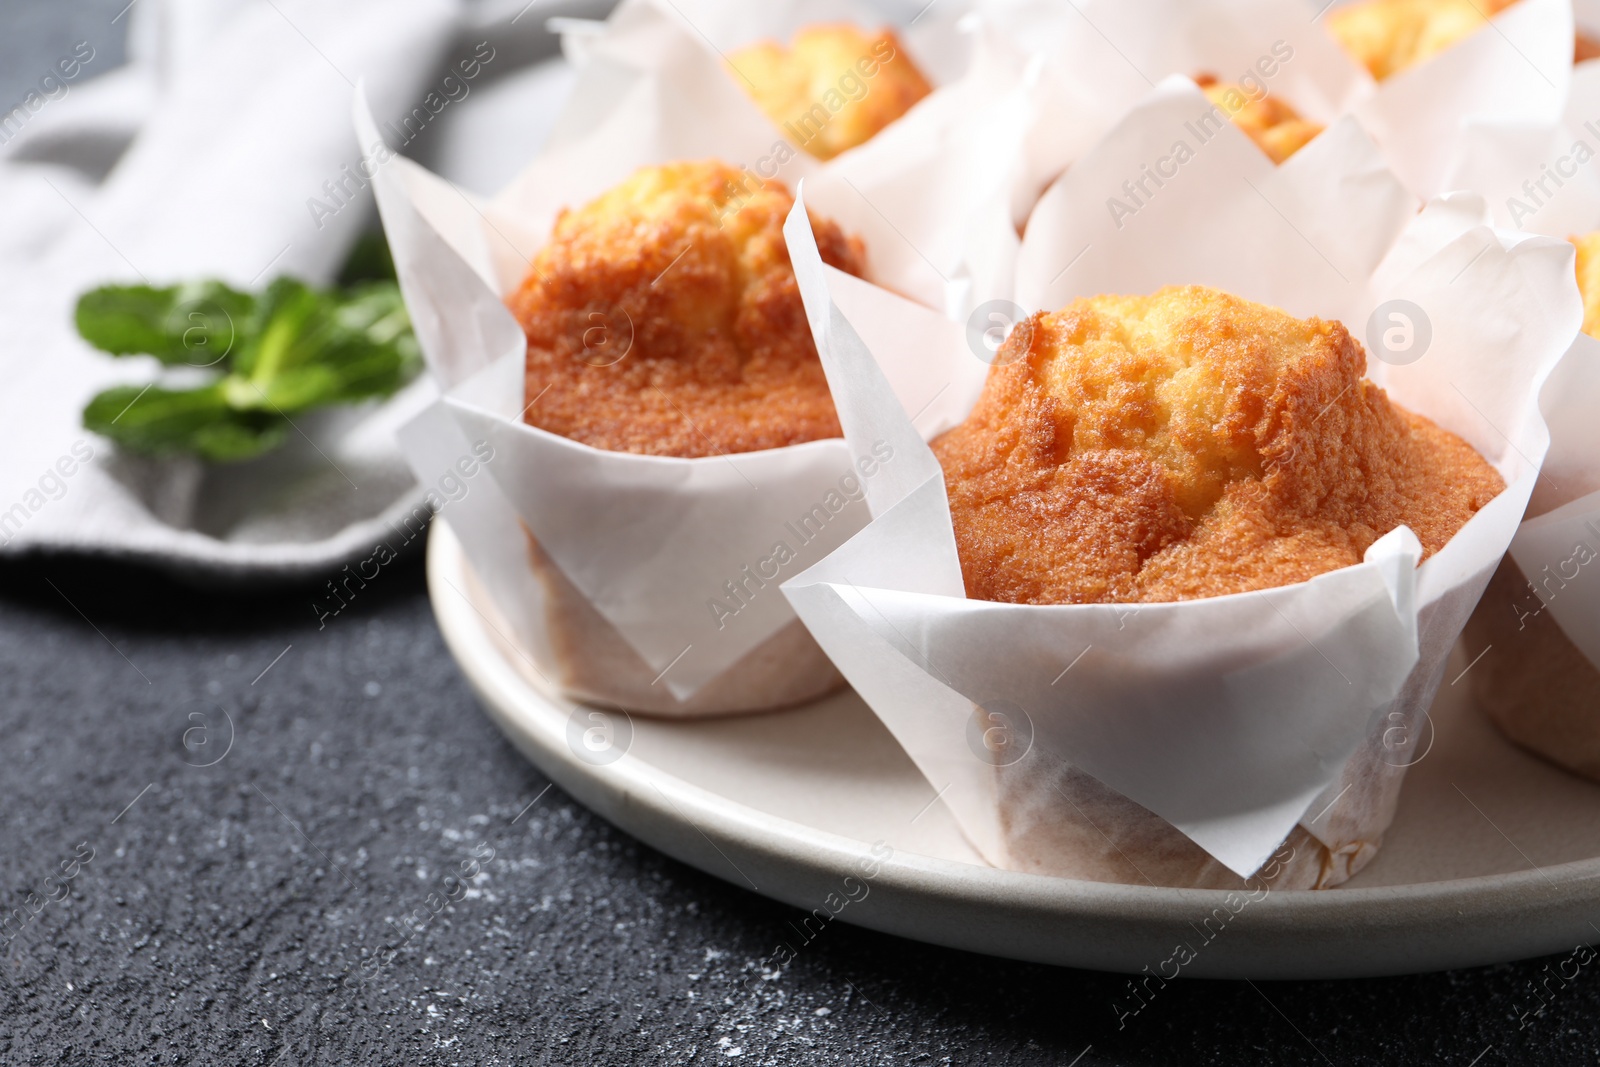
{"x": 834, "y": 88}
{"x": 1387, "y": 36}
{"x": 1275, "y": 127}
{"x": 1588, "y": 266}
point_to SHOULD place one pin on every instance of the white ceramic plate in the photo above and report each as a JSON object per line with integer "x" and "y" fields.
{"x": 1494, "y": 855}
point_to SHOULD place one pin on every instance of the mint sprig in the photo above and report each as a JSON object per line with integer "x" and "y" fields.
{"x": 239, "y": 366}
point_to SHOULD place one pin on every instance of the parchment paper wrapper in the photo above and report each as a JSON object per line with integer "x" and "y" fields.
{"x": 1537, "y": 169}
{"x": 1183, "y": 743}
{"x": 645, "y": 582}
{"x": 1484, "y": 114}
{"x": 1538, "y": 625}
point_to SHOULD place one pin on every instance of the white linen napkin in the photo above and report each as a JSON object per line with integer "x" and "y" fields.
{"x": 228, "y": 120}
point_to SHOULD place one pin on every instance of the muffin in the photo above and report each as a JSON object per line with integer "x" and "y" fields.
{"x": 1275, "y": 127}
{"x": 1537, "y": 686}
{"x": 1172, "y": 447}
{"x": 663, "y": 319}
{"x": 1184, "y": 445}
{"x": 1387, "y": 36}
{"x": 834, "y": 88}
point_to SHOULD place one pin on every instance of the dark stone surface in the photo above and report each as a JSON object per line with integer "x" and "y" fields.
{"x": 226, "y": 913}
{"x": 239, "y": 880}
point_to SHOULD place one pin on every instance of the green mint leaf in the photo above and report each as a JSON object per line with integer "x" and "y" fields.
{"x": 344, "y": 349}
{"x": 156, "y": 421}
{"x": 288, "y": 350}
{"x": 197, "y": 324}
{"x": 239, "y": 438}
{"x": 281, "y": 333}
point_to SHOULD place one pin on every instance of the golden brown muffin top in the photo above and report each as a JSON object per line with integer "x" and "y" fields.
{"x": 1188, "y": 444}
{"x": 1387, "y": 36}
{"x": 664, "y": 318}
{"x": 1589, "y": 280}
{"x": 834, "y": 89}
{"x": 1275, "y": 127}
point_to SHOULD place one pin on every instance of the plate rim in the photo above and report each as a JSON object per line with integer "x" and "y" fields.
{"x": 1545, "y": 900}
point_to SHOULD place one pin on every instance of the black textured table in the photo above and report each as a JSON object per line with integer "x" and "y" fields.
{"x": 276, "y": 817}
{"x": 264, "y": 824}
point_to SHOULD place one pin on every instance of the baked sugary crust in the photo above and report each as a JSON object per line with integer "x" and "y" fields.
{"x": 664, "y": 319}
{"x": 1275, "y": 127}
{"x": 1189, "y": 444}
{"x": 1387, "y": 36}
{"x": 834, "y": 88}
